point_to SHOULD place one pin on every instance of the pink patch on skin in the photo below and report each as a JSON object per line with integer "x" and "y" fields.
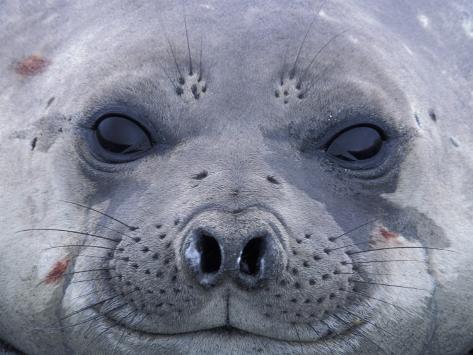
{"x": 32, "y": 65}
{"x": 57, "y": 271}
{"x": 387, "y": 234}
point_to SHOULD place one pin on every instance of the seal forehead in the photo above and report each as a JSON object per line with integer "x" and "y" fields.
{"x": 242, "y": 73}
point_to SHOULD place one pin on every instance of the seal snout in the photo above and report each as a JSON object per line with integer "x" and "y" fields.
{"x": 247, "y": 257}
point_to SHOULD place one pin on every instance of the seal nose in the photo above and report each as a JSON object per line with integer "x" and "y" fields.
{"x": 212, "y": 258}
{"x": 203, "y": 255}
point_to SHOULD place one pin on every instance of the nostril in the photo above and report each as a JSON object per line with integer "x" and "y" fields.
{"x": 210, "y": 255}
{"x": 252, "y": 255}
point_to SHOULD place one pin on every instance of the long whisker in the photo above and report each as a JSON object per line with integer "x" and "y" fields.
{"x": 91, "y": 270}
{"x": 96, "y": 279}
{"x": 101, "y": 213}
{"x": 312, "y": 327}
{"x": 90, "y": 306}
{"x": 118, "y": 232}
{"x": 123, "y": 333}
{"x": 389, "y": 285}
{"x": 361, "y": 334}
{"x": 380, "y": 300}
{"x": 94, "y": 317}
{"x": 200, "y": 60}
{"x": 368, "y": 321}
{"x": 110, "y": 327}
{"x": 191, "y": 70}
{"x": 389, "y": 248}
{"x": 171, "y": 49}
{"x": 353, "y": 229}
{"x": 314, "y": 58}
{"x": 69, "y": 231}
{"x": 292, "y": 72}
{"x": 349, "y": 245}
{"x": 80, "y": 245}
{"x": 383, "y": 261}
{"x": 281, "y": 77}
{"x": 92, "y": 256}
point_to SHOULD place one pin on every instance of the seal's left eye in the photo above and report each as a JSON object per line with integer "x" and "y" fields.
{"x": 356, "y": 144}
{"x": 122, "y": 135}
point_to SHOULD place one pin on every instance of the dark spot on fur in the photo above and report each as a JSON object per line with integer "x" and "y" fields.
{"x": 454, "y": 142}
{"x": 57, "y": 271}
{"x": 200, "y": 176}
{"x": 432, "y": 115}
{"x": 50, "y": 101}
{"x": 32, "y": 65}
{"x": 33, "y": 143}
{"x": 272, "y": 180}
{"x": 417, "y": 119}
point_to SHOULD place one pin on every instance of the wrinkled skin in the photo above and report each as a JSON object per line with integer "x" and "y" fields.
{"x": 358, "y": 261}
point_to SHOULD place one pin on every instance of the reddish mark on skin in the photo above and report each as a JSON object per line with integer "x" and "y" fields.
{"x": 57, "y": 271}
{"x": 32, "y": 65}
{"x": 387, "y": 234}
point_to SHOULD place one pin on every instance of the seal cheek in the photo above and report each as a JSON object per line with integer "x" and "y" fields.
{"x": 57, "y": 271}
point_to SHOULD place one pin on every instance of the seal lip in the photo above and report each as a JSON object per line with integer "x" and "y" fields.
{"x": 340, "y": 332}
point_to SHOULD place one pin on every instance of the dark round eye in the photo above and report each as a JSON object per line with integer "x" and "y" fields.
{"x": 358, "y": 143}
{"x": 122, "y": 135}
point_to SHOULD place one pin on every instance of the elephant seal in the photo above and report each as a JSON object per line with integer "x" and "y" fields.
{"x": 236, "y": 177}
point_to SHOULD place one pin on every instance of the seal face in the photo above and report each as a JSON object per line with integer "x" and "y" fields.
{"x": 237, "y": 178}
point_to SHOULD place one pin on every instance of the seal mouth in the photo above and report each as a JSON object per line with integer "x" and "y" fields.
{"x": 231, "y": 331}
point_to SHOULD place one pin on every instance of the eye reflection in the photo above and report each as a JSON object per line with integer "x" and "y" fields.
{"x": 358, "y": 143}
{"x": 121, "y": 135}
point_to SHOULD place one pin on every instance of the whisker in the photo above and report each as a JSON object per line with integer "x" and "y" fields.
{"x": 312, "y": 327}
{"x": 91, "y": 270}
{"x": 349, "y": 245}
{"x": 173, "y": 83}
{"x": 84, "y": 321}
{"x": 321, "y": 49}
{"x": 92, "y": 256}
{"x": 353, "y": 229}
{"x": 95, "y": 304}
{"x": 80, "y": 245}
{"x": 101, "y": 213}
{"x": 84, "y": 295}
{"x": 200, "y": 60}
{"x": 171, "y": 49}
{"x": 281, "y": 77}
{"x": 360, "y": 333}
{"x": 110, "y": 327}
{"x": 89, "y": 306}
{"x": 191, "y": 71}
{"x": 96, "y": 279}
{"x": 117, "y": 231}
{"x": 380, "y": 300}
{"x": 315, "y": 80}
{"x": 389, "y": 248}
{"x": 69, "y": 231}
{"x": 123, "y": 333}
{"x": 383, "y": 261}
{"x": 368, "y": 321}
{"x": 292, "y": 72}
{"x": 369, "y": 273}
{"x": 389, "y": 285}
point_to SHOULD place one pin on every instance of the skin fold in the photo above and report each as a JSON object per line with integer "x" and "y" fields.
{"x": 235, "y": 228}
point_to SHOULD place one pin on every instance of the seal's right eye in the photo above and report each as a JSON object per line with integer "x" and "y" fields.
{"x": 121, "y": 137}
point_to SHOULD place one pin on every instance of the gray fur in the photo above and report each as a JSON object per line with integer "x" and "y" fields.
{"x": 406, "y": 64}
